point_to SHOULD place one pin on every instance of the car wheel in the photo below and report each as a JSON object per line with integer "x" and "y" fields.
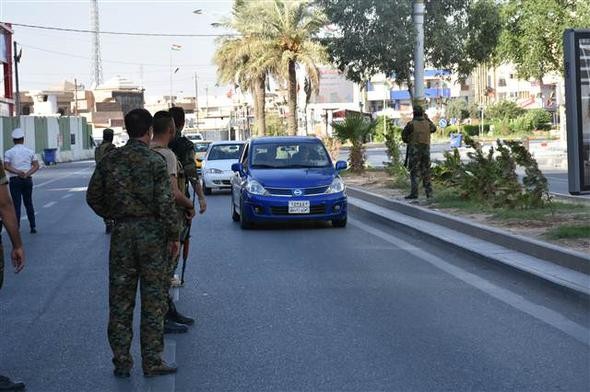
{"x": 234, "y": 215}
{"x": 340, "y": 222}
{"x": 206, "y": 191}
{"x": 245, "y": 224}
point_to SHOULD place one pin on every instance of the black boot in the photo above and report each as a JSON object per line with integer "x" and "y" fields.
{"x": 161, "y": 369}
{"x": 175, "y": 316}
{"x": 411, "y": 197}
{"x": 7, "y": 385}
{"x": 170, "y": 327}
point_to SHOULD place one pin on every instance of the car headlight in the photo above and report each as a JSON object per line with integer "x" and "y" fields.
{"x": 337, "y": 186}
{"x": 254, "y": 187}
{"x": 214, "y": 171}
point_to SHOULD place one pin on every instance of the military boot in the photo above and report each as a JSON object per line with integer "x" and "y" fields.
{"x": 7, "y": 385}
{"x": 411, "y": 196}
{"x": 170, "y": 327}
{"x": 160, "y": 369}
{"x": 175, "y": 316}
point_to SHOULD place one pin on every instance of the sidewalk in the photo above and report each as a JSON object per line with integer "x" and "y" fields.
{"x": 560, "y": 266}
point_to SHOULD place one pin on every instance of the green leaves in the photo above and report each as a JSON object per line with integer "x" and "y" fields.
{"x": 354, "y": 129}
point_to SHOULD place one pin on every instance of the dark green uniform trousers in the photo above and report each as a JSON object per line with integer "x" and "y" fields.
{"x": 138, "y": 255}
{"x": 419, "y": 159}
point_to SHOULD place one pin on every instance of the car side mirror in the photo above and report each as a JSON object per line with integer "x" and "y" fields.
{"x": 237, "y": 168}
{"x": 341, "y": 166}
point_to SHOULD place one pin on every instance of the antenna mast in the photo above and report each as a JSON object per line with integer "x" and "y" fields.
{"x": 96, "y": 58}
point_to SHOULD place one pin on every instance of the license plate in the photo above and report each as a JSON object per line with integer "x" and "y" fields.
{"x": 299, "y": 207}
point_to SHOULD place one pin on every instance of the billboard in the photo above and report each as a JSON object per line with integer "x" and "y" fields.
{"x": 334, "y": 88}
{"x": 577, "y": 100}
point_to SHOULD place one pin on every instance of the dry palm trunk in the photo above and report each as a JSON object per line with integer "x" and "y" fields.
{"x": 292, "y": 93}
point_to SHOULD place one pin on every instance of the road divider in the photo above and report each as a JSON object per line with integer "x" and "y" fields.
{"x": 562, "y": 267}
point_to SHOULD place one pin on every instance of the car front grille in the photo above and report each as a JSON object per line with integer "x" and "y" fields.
{"x": 318, "y": 209}
{"x": 289, "y": 191}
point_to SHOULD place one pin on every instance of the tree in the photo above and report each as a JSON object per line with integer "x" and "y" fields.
{"x": 288, "y": 29}
{"x": 376, "y": 36}
{"x": 458, "y": 108}
{"x": 242, "y": 61}
{"x": 504, "y": 110}
{"x": 354, "y": 129}
{"x": 532, "y": 36}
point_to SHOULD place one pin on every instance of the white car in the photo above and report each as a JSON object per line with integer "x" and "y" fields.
{"x": 217, "y": 172}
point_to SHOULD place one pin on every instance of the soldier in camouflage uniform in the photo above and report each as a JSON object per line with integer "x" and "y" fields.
{"x": 185, "y": 152}
{"x": 105, "y": 147}
{"x": 164, "y": 132}
{"x": 417, "y": 135}
{"x": 131, "y": 186}
{"x": 8, "y": 215}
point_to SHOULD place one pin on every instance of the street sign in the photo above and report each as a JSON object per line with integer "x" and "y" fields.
{"x": 442, "y": 123}
{"x": 577, "y": 102}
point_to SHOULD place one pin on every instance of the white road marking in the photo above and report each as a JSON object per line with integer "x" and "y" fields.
{"x": 50, "y": 204}
{"x": 67, "y": 195}
{"x": 26, "y": 218}
{"x": 62, "y": 177}
{"x": 546, "y": 315}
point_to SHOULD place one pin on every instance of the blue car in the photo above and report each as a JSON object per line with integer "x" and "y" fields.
{"x": 284, "y": 179}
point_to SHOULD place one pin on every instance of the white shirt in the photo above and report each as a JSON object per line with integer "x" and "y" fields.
{"x": 20, "y": 158}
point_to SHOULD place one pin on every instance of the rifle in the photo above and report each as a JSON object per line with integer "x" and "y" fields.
{"x": 186, "y": 240}
{"x": 406, "y": 161}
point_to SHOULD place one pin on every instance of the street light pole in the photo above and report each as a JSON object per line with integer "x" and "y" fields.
{"x": 419, "y": 52}
{"x": 170, "y": 104}
{"x": 197, "y": 100}
{"x": 16, "y": 61}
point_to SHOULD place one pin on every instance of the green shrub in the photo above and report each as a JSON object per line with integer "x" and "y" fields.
{"x": 503, "y": 127}
{"x": 521, "y": 125}
{"x": 450, "y": 129}
{"x": 457, "y": 108}
{"x": 504, "y": 109}
{"x": 381, "y": 128}
{"x": 540, "y": 119}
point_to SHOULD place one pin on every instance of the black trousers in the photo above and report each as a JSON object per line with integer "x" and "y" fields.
{"x": 21, "y": 190}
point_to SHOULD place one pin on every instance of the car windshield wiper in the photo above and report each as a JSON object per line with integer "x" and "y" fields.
{"x": 263, "y": 166}
{"x": 294, "y": 166}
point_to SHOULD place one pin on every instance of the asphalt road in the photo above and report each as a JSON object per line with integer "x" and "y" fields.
{"x": 290, "y": 308}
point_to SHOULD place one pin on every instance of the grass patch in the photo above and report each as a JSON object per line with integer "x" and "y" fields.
{"x": 569, "y": 232}
{"x": 541, "y": 214}
{"x": 449, "y": 198}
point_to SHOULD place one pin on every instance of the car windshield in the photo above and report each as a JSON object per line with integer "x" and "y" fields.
{"x": 225, "y": 151}
{"x": 289, "y": 155}
{"x": 201, "y": 147}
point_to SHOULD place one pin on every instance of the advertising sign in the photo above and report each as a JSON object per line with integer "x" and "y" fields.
{"x": 334, "y": 88}
{"x": 577, "y": 100}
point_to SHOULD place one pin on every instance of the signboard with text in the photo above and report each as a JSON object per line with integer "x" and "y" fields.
{"x": 334, "y": 88}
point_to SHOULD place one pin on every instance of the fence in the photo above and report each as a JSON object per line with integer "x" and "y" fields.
{"x": 71, "y": 136}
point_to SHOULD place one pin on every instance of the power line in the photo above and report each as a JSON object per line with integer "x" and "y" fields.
{"x": 108, "y": 61}
{"x": 69, "y": 30}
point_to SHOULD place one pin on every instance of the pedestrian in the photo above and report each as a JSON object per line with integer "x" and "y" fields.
{"x": 131, "y": 186}
{"x": 7, "y": 213}
{"x": 164, "y": 132}
{"x": 21, "y": 162}
{"x": 417, "y": 135}
{"x": 184, "y": 150}
{"x": 105, "y": 147}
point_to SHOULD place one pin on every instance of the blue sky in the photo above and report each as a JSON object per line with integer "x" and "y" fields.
{"x": 40, "y": 69}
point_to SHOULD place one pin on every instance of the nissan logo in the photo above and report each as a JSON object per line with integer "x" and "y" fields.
{"x": 297, "y": 192}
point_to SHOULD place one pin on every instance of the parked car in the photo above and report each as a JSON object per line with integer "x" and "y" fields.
{"x": 201, "y": 148}
{"x": 286, "y": 179}
{"x": 194, "y": 137}
{"x": 217, "y": 172}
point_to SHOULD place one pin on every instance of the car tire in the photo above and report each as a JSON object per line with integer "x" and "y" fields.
{"x": 340, "y": 222}
{"x": 234, "y": 215}
{"x": 245, "y": 224}
{"x": 206, "y": 191}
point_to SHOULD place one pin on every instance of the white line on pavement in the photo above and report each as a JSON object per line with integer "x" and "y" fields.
{"x": 62, "y": 177}
{"x": 25, "y": 217}
{"x": 67, "y": 195}
{"x": 50, "y": 204}
{"x": 546, "y": 315}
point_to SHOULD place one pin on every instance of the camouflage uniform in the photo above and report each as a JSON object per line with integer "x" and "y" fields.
{"x": 185, "y": 152}
{"x": 99, "y": 153}
{"x": 417, "y": 134}
{"x": 3, "y": 182}
{"x": 102, "y": 150}
{"x": 132, "y": 187}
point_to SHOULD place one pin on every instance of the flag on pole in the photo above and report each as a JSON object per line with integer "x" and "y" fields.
{"x": 176, "y": 47}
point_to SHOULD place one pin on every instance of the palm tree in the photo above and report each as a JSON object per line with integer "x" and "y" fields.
{"x": 288, "y": 30}
{"x": 355, "y": 129}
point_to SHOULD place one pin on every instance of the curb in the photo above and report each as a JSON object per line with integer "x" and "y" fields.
{"x": 553, "y": 256}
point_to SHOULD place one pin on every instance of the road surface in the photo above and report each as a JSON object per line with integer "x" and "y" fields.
{"x": 290, "y": 308}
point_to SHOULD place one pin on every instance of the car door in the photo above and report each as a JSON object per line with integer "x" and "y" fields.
{"x": 238, "y": 179}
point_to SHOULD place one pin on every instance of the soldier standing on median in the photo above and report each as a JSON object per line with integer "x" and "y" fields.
{"x": 417, "y": 135}
{"x": 131, "y": 186}
{"x": 164, "y": 132}
{"x": 185, "y": 152}
{"x": 105, "y": 147}
{"x": 8, "y": 216}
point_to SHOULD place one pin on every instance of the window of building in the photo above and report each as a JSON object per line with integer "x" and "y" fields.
{"x": 502, "y": 82}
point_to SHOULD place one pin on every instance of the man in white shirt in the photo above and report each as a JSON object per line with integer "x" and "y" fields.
{"x": 22, "y": 163}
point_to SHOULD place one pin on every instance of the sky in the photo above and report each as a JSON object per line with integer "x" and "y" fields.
{"x": 49, "y": 57}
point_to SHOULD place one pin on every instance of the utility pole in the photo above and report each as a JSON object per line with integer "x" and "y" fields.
{"x": 75, "y": 96}
{"x": 170, "y": 104}
{"x": 17, "y": 56}
{"x": 197, "y": 100}
{"x": 419, "y": 52}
